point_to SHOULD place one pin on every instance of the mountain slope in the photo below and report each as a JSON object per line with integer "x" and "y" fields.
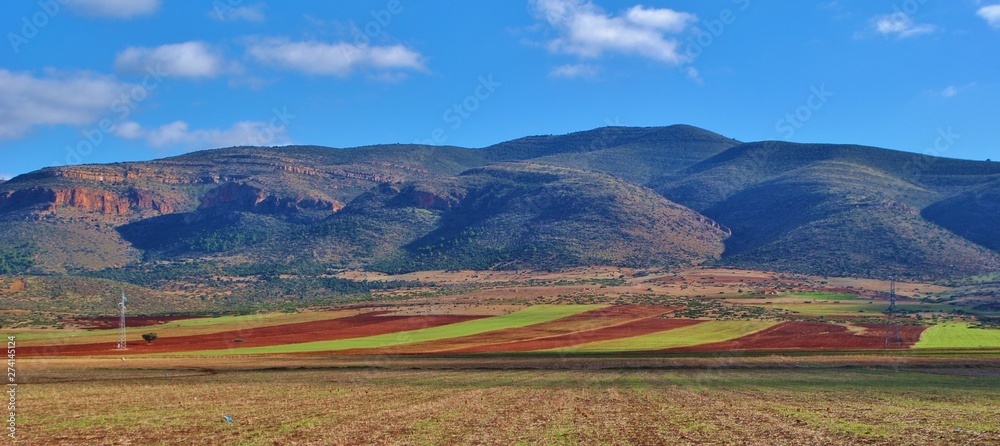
{"x": 974, "y": 215}
{"x": 635, "y": 154}
{"x": 286, "y": 184}
{"x": 533, "y": 216}
{"x": 846, "y": 220}
{"x": 846, "y": 210}
{"x": 654, "y": 196}
{"x": 720, "y": 176}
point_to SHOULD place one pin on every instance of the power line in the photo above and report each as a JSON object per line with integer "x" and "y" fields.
{"x": 892, "y": 329}
{"x": 121, "y": 324}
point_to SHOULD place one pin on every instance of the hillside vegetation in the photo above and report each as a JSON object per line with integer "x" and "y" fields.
{"x": 642, "y": 197}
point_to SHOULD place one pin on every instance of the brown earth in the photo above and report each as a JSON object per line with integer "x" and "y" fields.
{"x": 628, "y": 329}
{"x": 598, "y": 325}
{"x": 368, "y": 324}
{"x": 566, "y": 331}
{"x": 15, "y": 286}
{"x": 812, "y": 336}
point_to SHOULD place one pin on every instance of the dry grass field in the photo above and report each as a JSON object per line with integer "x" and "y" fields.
{"x": 286, "y": 401}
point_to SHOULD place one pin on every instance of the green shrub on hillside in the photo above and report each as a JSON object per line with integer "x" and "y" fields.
{"x": 17, "y": 260}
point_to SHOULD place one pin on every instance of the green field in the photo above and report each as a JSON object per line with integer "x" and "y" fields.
{"x": 825, "y": 296}
{"x": 799, "y": 297}
{"x": 184, "y": 323}
{"x": 174, "y": 328}
{"x": 703, "y": 333}
{"x": 532, "y": 315}
{"x": 958, "y": 335}
{"x": 828, "y": 308}
{"x": 852, "y": 308}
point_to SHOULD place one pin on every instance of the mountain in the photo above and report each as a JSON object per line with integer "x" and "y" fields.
{"x": 634, "y": 154}
{"x": 103, "y": 209}
{"x": 537, "y": 216}
{"x": 843, "y": 210}
{"x": 972, "y": 214}
{"x": 658, "y": 196}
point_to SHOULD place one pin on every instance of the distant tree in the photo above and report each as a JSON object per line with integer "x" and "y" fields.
{"x": 149, "y": 337}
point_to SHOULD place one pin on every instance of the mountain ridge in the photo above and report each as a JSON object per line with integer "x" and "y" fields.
{"x": 809, "y": 208}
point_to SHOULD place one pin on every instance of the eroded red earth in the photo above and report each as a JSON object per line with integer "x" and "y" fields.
{"x": 812, "y": 336}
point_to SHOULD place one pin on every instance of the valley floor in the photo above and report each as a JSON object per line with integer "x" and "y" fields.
{"x": 768, "y": 400}
{"x": 591, "y": 357}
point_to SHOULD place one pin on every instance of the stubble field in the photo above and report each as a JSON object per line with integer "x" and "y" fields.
{"x": 306, "y": 401}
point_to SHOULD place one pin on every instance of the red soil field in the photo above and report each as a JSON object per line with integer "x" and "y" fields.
{"x": 628, "y": 329}
{"x": 369, "y": 324}
{"x": 598, "y": 325}
{"x": 811, "y": 336}
{"x": 605, "y": 323}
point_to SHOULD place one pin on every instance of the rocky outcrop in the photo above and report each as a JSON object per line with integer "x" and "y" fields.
{"x": 143, "y": 200}
{"x": 434, "y": 200}
{"x": 207, "y": 174}
{"x": 129, "y": 173}
{"x": 90, "y": 200}
{"x": 300, "y": 170}
{"x": 86, "y": 199}
{"x": 244, "y": 197}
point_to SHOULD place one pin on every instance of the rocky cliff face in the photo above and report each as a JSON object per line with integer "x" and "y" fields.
{"x": 116, "y": 174}
{"x": 86, "y": 199}
{"x": 244, "y": 197}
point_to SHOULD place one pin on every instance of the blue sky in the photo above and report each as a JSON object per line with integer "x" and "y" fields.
{"x": 94, "y": 81}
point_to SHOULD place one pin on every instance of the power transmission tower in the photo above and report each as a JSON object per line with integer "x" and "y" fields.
{"x": 121, "y": 324}
{"x": 892, "y": 329}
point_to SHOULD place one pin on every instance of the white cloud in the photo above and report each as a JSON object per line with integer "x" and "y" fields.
{"x": 251, "y": 13}
{"x": 129, "y": 130}
{"x": 117, "y": 9}
{"x": 337, "y": 59}
{"x": 575, "y": 70}
{"x": 666, "y": 20}
{"x": 5, "y": 176}
{"x": 586, "y": 30}
{"x": 694, "y": 74}
{"x": 56, "y": 98}
{"x": 953, "y": 90}
{"x": 178, "y": 134}
{"x": 188, "y": 59}
{"x": 991, "y": 14}
{"x": 900, "y": 25}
